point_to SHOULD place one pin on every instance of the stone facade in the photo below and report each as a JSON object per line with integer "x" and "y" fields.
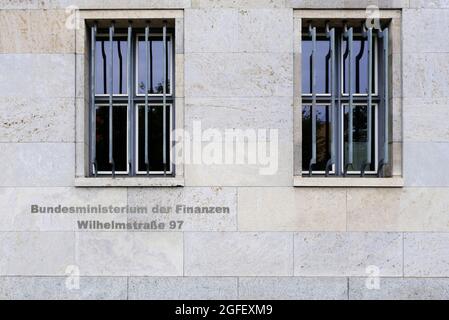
{"x": 235, "y": 70}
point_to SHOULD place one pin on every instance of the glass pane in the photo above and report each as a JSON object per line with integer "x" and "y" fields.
{"x": 322, "y": 66}
{"x": 156, "y": 65}
{"x": 120, "y": 58}
{"x": 323, "y": 137}
{"x": 360, "y": 66}
{"x": 119, "y": 132}
{"x": 359, "y": 136}
{"x": 155, "y": 138}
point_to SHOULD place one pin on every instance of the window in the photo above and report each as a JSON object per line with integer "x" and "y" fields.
{"x": 131, "y": 98}
{"x": 345, "y": 99}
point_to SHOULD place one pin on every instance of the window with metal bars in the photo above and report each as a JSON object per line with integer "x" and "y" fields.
{"x": 131, "y": 98}
{"x": 345, "y": 99}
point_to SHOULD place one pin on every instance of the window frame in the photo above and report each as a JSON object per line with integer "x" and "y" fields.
{"x": 323, "y": 95}
{"x": 105, "y": 95}
{"x": 175, "y": 18}
{"x": 393, "y": 171}
{"x": 342, "y": 99}
{"x": 169, "y": 66}
{"x": 334, "y": 166}
{"x": 136, "y": 100}
{"x": 375, "y": 71}
{"x": 136, "y": 134}
{"x": 341, "y": 133}
{"x": 127, "y": 137}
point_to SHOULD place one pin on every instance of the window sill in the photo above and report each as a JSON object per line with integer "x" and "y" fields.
{"x": 356, "y": 182}
{"x": 129, "y": 182}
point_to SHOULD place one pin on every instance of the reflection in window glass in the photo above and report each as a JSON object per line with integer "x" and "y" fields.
{"x": 322, "y": 66}
{"x": 359, "y": 136}
{"x": 359, "y": 68}
{"x": 119, "y": 131}
{"x": 323, "y": 137}
{"x": 156, "y": 65}
{"x": 155, "y": 138}
{"x": 120, "y": 60}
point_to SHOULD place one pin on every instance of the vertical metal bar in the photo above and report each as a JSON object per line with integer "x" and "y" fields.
{"x": 111, "y": 92}
{"x": 370, "y": 100}
{"x": 93, "y": 110}
{"x": 120, "y": 73}
{"x": 151, "y": 67}
{"x": 386, "y": 96}
{"x": 312, "y": 33}
{"x": 164, "y": 99}
{"x": 105, "y": 81}
{"x": 350, "y": 36}
{"x": 130, "y": 93}
{"x": 350, "y": 42}
{"x": 331, "y": 35}
{"x": 384, "y": 35}
{"x": 147, "y": 34}
{"x": 359, "y": 57}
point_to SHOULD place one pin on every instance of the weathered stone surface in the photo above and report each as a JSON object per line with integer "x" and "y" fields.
{"x": 36, "y": 253}
{"x": 425, "y": 120}
{"x": 182, "y": 288}
{"x": 400, "y": 289}
{"x": 238, "y": 3}
{"x": 16, "y": 214}
{"x": 346, "y": 4}
{"x": 37, "y": 75}
{"x": 426, "y": 254}
{"x": 397, "y": 119}
{"x": 249, "y": 86}
{"x": 275, "y": 170}
{"x": 129, "y": 253}
{"x": 19, "y": 4}
{"x": 211, "y": 30}
{"x": 179, "y": 77}
{"x": 161, "y": 199}
{"x": 397, "y": 80}
{"x": 289, "y": 209}
{"x": 398, "y": 157}
{"x": 249, "y": 116}
{"x": 347, "y": 254}
{"x": 408, "y": 209}
{"x": 24, "y": 32}
{"x": 241, "y": 113}
{"x": 37, "y": 164}
{"x": 238, "y": 74}
{"x": 293, "y": 288}
{"x": 443, "y": 4}
{"x": 420, "y": 161}
{"x": 37, "y": 120}
{"x": 116, "y": 4}
{"x": 426, "y": 75}
{"x": 179, "y": 35}
{"x": 418, "y": 24}
{"x": 238, "y": 254}
{"x": 82, "y": 110}
{"x": 265, "y": 30}
{"x": 55, "y": 288}
{"x": 81, "y": 77}
{"x": 387, "y": 4}
{"x": 81, "y": 159}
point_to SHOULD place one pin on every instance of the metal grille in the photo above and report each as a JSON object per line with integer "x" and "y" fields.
{"x": 345, "y": 100}
{"x": 107, "y": 90}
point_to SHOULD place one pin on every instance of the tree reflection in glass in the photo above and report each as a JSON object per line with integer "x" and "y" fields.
{"x": 323, "y": 137}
